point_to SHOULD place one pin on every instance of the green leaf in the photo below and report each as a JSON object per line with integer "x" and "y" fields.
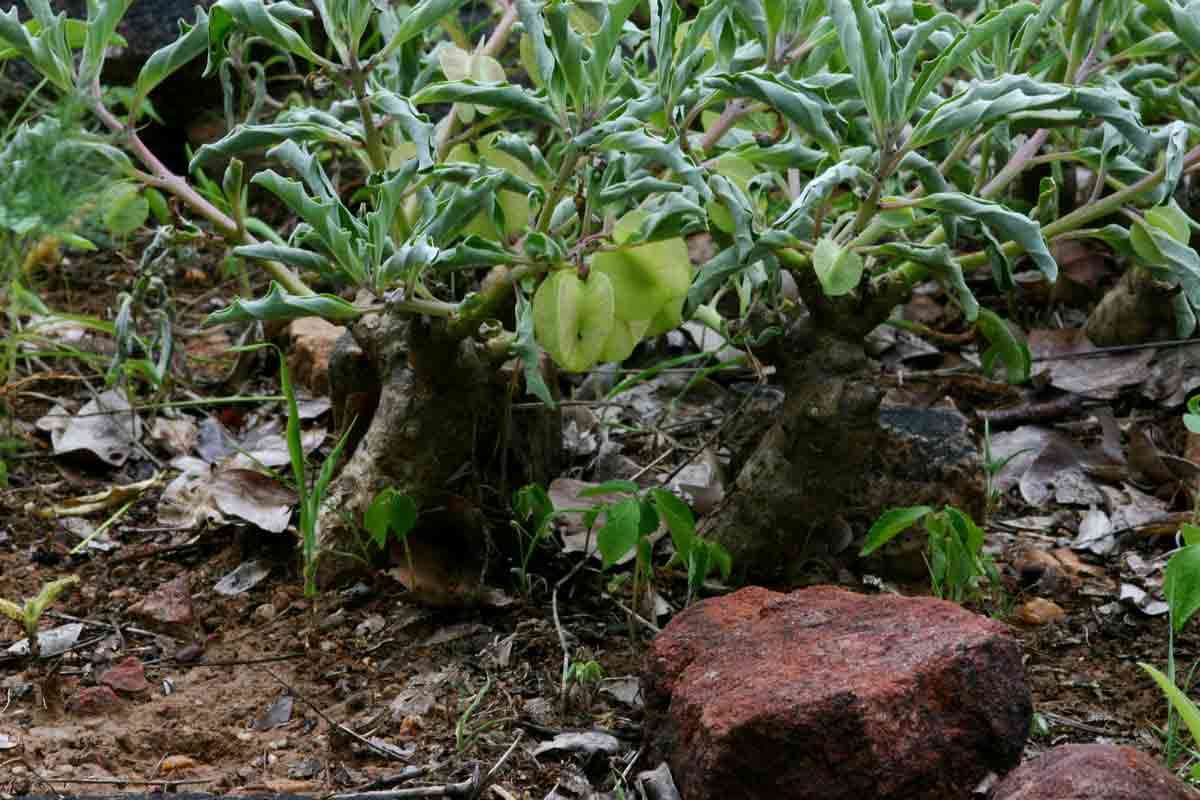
{"x": 525, "y": 348}
{"x": 800, "y": 103}
{"x": 503, "y": 95}
{"x": 816, "y": 192}
{"x": 125, "y": 209}
{"x": 940, "y": 262}
{"x": 1004, "y": 345}
{"x": 967, "y": 42}
{"x": 423, "y": 16}
{"x": 1185, "y": 23}
{"x": 256, "y": 137}
{"x": 43, "y": 43}
{"x": 1182, "y": 704}
{"x": 103, "y": 16}
{"x": 1181, "y": 585}
{"x": 278, "y": 304}
{"x": 271, "y": 22}
{"x": 1008, "y": 223}
{"x": 668, "y": 154}
{"x": 838, "y": 269}
{"x": 620, "y": 534}
{"x": 891, "y": 524}
{"x": 680, "y": 523}
{"x": 869, "y": 49}
{"x": 390, "y": 513}
{"x": 610, "y": 487}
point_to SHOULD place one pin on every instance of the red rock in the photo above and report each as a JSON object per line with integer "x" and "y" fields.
{"x": 313, "y": 340}
{"x": 1092, "y": 772}
{"x": 169, "y": 604}
{"x": 823, "y": 693}
{"x": 94, "y": 701}
{"x": 127, "y": 675}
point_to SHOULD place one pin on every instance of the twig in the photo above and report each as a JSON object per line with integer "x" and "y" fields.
{"x": 36, "y": 774}
{"x": 352, "y": 734}
{"x": 132, "y": 782}
{"x": 233, "y": 663}
{"x": 98, "y": 624}
{"x": 650, "y": 625}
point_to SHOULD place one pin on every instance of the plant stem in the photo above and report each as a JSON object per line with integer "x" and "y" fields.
{"x": 165, "y": 179}
{"x": 565, "y": 171}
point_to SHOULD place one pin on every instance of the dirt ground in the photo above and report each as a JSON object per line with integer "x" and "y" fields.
{"x": 361, "y": 689}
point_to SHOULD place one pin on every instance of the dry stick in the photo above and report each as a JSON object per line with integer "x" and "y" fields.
{"x": 99, "y": 624}
{"x": 473, "y": 787}
{"x": 36, "y": 774}
{"x": 352, "y": 734}
{"x": 132, "y": 782}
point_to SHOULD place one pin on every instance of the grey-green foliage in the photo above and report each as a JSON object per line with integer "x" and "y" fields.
{"x": 54, "y": 173}
{"x": 886, "y": 131}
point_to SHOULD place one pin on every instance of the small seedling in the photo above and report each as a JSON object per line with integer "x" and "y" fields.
{"x": 954, "y": 551}
{"x": 29, "y": 614}
{"x": 586, "y": 675}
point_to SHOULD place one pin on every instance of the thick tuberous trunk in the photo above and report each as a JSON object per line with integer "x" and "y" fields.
{"x": 833, "y": 460}
{"x": 434, "y": 421}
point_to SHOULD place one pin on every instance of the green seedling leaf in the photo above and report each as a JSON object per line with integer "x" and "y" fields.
{"x": 1181, "y": 585}
{"x": 621, "y": 531}
{"x": 610, "y": 487}
{"x": 279, "y": 304}
{"x": 390, "y": 514}
{"x": 839, "y": 269}
{"x": 1190, "y": 533}
{"x": 1182, "y": 704}
{"x": 573, "y": 319}
{"x": 647, "y": 277}
{"x": 891, "y": 524}
{"x": 680, "y": 523}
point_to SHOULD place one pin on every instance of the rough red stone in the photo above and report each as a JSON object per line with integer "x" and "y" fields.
{"x": 127, "y": 675}
{"x": 93, "y": 701}
{"x": 313, "y": 341}
{"x": 823, "y": 693}
{"x": 169, "y": 604}
{"x": 1092, "y": 772}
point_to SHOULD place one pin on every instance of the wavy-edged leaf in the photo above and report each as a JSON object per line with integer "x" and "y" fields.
{"x": 869, "y": 49}
{"x": 271, "y": 22}
{"x": 668, "y": 154}
{"x": 416, "y": 126}
{"x": 497, "y": 95}
{"x": 279, "y": 304}
{"x": 804, "y": 106}
{"x": 420, "y": 18}
{"x": 103, "y": 16}
{"x": 256, "y": 137}
{"x": 983, "y": 30}
{"x": 525, "y": 348}
{"x": 940, "y": 262}
{"x": 817, "y": 191}
{"x": 292, "y": 256}
{"x": 44, "y": 45}
{"x": 1008, "y": 223}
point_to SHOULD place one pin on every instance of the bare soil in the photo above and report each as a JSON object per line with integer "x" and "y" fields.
{"x": 480, "y": 678}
